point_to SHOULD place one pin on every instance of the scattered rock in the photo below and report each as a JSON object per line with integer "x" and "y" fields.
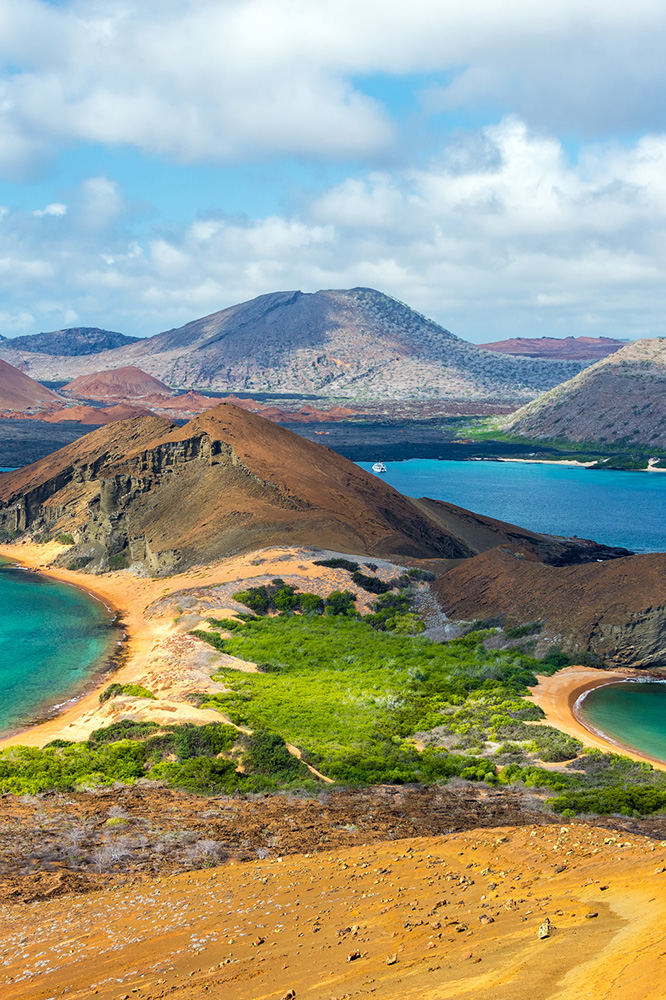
{"x": 544, "y": 930}
{"x": 391, "y": 959}
{"x": 353, "y": 955}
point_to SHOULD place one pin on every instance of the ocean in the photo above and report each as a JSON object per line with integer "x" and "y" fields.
{"x": 631, "y": 714}
{"x": 52, "y": 639}
{"x": 614, "y": 508}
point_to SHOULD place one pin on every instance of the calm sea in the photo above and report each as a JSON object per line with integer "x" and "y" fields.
{"x": 631, "y": 714}
{"x": 615, "y": 508}
{"x": 52, "y": 638}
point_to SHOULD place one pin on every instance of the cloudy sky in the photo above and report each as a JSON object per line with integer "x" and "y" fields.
{"x": 498, "y": 166}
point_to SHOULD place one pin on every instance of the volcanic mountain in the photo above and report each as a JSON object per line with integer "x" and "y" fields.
{"x": 73, "y": 342}
{"x": 165, "y": 497}
{"x": 356, "y": 343}
{"x": 20, "y": 392}
{"x": 563, "y": 349}
{"x": 117, "y": 383}
{"x": 619, "y": 400}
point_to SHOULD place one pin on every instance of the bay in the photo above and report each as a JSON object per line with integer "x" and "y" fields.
{"x": 632, "y": 714}
{"x": 53, "y": 638}
{"x": 616, "y": 508}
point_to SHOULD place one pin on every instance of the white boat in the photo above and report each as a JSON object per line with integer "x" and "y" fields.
{"x": 379, "y": 467}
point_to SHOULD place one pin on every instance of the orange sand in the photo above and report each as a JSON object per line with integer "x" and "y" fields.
{"x": 458, "y": 916}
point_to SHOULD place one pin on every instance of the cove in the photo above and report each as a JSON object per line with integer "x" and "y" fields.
{"x": 611, "y": 507}
{"x": 53, "y": 638}
{"x": 630, "y": 713}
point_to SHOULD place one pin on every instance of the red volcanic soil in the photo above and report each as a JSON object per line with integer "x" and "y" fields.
{"x": 306, "y": 414}
{"x": 97, "y": 416}
{"x": 20, "y": 392}
{"x": 560, "y": 349}
{"x": 116, "y": 384}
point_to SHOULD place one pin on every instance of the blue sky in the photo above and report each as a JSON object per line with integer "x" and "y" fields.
{"x": 501, "y": 168}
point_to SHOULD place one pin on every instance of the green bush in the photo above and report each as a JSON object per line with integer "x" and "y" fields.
{"x": 133, "y": 690}
{"x": 65, "y": 538}
{"x": 341, "y": 602}
{"x": 118, "y": 560}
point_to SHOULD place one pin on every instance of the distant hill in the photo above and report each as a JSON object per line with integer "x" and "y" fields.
{"x": 20, "y": 392}
{"x": 564, "y": 349}
{"x": 73, "y": 342}
{"x": 117, "y": 383}
{"x": 356, "y": 343}
{"x": 619, "y": 400}
{"x": 97, "y": 416}
{"x": 166, "y": 497}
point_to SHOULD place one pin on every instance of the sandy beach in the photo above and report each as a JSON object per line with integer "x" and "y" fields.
{"x": 549, "y": 461}
{"x": 557, "y": 696}
{"x": 161, "y": 654}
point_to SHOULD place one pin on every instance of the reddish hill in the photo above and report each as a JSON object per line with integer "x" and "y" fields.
{"x": 98, "y": 416}
{"x": 230, "y": 481}
{"x": 20, "y": 392}
{"x": 116, "y": 383}
{"x": 615, "y": 608}
{"x": 559, "y": 349}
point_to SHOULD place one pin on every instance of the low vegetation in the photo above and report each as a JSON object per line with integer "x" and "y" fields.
{"x": 366, "y": 700}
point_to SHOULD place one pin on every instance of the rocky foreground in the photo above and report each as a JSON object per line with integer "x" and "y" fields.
{"x": 496, "y": 914}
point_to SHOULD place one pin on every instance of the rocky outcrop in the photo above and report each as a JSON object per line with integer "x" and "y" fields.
{"x": 615, "y": 609}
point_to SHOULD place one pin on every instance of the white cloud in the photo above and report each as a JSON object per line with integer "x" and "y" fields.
{"x": 501, "y": 236}
{"x": 218, "y": 82}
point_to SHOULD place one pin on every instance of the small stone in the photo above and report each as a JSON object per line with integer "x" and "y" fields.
{"x": 544, "y": 930}
{"x": 466, "y": 956}
{"x": 289, "y": 995}
{"x": 391, "y": 959}
{"x": 353, "y": 955}
{"x": 257, "y": 941}
{"x": 590, "y": 916}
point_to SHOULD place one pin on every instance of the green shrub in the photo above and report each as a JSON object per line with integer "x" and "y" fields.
{"x": 118, "y": 561}
{"x": 341, "y": 602}
{"x": 65, "y": 538}
{"x": 133, "y": 690}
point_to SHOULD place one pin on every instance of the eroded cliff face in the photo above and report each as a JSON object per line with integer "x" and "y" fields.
{"x": 615, "y": 610}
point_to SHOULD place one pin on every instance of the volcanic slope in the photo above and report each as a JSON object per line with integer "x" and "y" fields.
{"x": 20, "y": 392}
{"x": 166, "y": 497}
{"x": 561, "y": 348}
{"x": 615, "y": 609}
{"x": 619, "y": 400}
{"x": 116, "y": 384}
{"x": 356, "y": 343}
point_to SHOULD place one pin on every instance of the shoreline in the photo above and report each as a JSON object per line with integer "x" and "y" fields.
{"x": 159, "y": 652}
{"x": 558, "y": 694}
{"x": 124, "y": 595}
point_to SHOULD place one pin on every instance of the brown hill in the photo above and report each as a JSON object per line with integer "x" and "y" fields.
{"x": 20, "y": 392}
{"x": 117, "y": 383}
{"x": 97, "y": 416}
{"x": 562, "y": 349}
{"x": 619, "y": 400}
{"x": 616, "y": 609}
{"x": 230, "y": 481}
{"x": 336, "y": 343}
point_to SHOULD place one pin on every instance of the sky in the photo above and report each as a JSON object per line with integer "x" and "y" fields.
{"x": 501, "y": 167}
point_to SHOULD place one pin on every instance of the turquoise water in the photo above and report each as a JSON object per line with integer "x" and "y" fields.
{"x": 616, "y": 508}
{"x": 52, "y": 638}
{"x": 631, "y": 714}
